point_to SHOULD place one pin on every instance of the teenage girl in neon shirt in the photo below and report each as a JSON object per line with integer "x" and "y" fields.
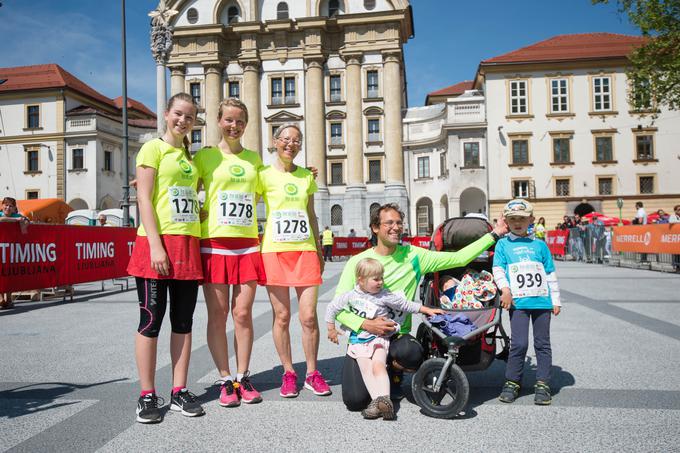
{"x": 166, "y": 257}
{"x": 291, "y": 257}
{"x": 230, "y": 249}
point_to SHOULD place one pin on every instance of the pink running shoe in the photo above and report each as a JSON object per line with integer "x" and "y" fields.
{"x": 228, "y": 394}
{"x": 317, "y": 384}
{"x": 246, "y": 390}
{"x": 289, "y": 385}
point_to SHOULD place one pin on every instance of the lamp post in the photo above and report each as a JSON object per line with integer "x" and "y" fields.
{"x": 126, "y": 169}
{"x": 619, "y": 203}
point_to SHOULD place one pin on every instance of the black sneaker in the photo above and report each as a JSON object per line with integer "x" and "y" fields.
{"x": 185, "y": 402}
{"x": 510, "y": 392}
{"x": 396, "y": 392}
{"x": 147, "y": 409}
{"x": 542, "y": 395}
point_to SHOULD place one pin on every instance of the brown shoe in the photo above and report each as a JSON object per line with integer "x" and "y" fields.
{"x": 386, "y": 407}
{"x": 372, "y": 411}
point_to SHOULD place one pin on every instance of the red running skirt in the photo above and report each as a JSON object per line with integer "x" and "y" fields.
{"x": 232, "y": 261}
{"x": 183, "y": 253}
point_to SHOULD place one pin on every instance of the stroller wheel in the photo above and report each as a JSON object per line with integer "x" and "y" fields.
{"x": 451, "y": 398}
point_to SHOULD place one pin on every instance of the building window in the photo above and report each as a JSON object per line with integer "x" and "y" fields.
{"x": 471, "y": 154}
{"x": 282, "y": 10}
{"x": 520, "y": 188}
{"x": 605, "y": 186}
{"x": 290, "y": 90}
{"x": 192, "y": 15}
{"x": 373, "y": 209}
{"x": 336, "y": 173}
{"x": 369, "y": 5}
{"x": 641, "y": 95}
{"x": 559, "y": 96}
{"x": 77, "y": 159}
{"x": 561, "y": 151}
{"x": 196, "y": 140}
{"x": 108, "y": 161}
{"x": 372, "y": 84}
{"x": 443, "y": 165}
{"x": 278, "y": 84}
{"x": 32, "y": 194}
{"x": 602, "y": 100}
{"x": 603, "y": 149}
{"x": 195, "y": 91}
{"x": 644, "y": 145}
{"x": 33, "y": 116}
{"x": 232, "y": 14}
{"x": 33, "y": 159}
{"x": 374, "y": 130}
{"x": 520, "y": 152}
{"x": 333, "y": 7}
{"x": 424, "y": 167}
{"x": 646, "y": 184}
{"x": 336, "y": 215}
{"x": 374, "y": 171}
{"x": 562, "y": 187}
{"x": 518, "y": 97}
{"x": 336, "y": 133}
{"x": 234, "y": 90}
{"x": 277, "y": 91}
{"x": 336, "y": 88}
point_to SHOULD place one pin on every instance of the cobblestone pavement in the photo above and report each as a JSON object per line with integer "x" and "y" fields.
{"x": 68, "y": 381}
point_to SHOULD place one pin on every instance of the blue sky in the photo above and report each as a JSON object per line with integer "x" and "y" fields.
{"x": 451, "y": 38}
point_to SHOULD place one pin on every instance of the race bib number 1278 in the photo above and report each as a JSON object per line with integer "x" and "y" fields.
{"x": 291, "y": 225}
{"x": 183, "y": 204}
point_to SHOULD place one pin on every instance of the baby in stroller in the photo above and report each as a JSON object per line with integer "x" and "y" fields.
{"x": 368, "y": 299}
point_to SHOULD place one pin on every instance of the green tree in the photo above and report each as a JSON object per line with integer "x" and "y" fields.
{"x": 655, "y": 70}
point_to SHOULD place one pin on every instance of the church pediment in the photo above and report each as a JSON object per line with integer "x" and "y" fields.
{"x": 283, "y": 117}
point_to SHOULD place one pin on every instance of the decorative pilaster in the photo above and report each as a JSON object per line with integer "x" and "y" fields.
{"x": 177, "y": 78}
{"x": 252, "y": 139}
{"x": 393, "y": 128}
{"x": 213, "y": 97}
{"x": 355, "y": 135}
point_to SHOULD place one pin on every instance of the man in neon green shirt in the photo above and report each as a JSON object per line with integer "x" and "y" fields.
{"x": 404, "y": 267}
{"x": 327, "y": 242}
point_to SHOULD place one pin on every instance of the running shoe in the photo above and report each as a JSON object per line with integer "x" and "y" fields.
{"x": 289, "y": 385}
{"x": 185, "y": 402}
{"x": 147, "y": 409}
{"x": 246, "y": 390}
{"x": 542, "y": 395}
{"x": 228, "y": 393}
{"x": 317, "y": 384}
{"x": 510, "y": 392}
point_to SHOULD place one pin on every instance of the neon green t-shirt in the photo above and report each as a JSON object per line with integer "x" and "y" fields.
{"x": 285, "y": 196}
{"x": 174, "y": 193}
{"x": 230, "y": 182}
{"x": 403, "y": 271}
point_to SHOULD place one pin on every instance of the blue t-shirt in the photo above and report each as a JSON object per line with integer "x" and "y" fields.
{"x": 13, "y": 215}
{"x": 526, "y": 263}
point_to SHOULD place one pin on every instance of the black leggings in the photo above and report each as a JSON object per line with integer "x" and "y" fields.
{"x": 153, "y": 299}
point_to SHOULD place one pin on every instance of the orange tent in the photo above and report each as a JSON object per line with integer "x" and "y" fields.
{"x": 45, "y": 210}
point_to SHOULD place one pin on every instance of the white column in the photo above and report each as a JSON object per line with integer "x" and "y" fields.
{"x": 213, "y": 96}
{"x": 161, "y": 94}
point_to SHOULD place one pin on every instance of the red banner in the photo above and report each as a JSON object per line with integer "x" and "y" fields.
{"x": 657, "y": 238}
{"x": 56, "y": 255}
{"x": 418, "y": 241}
{"x": 557, "y": 241}
{"x": 349, "y": 246}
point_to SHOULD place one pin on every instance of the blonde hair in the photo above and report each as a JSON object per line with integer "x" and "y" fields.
{"x": 232, "y": 102}
{"x": 369, "y": 267}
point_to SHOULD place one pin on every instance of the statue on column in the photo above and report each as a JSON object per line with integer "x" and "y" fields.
{"x": 161, "y": 32}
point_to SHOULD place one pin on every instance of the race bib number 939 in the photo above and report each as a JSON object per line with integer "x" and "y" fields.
{"x": 528, "y": 279}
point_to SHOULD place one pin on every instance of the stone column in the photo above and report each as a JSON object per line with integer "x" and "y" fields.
{"x": 395, "y": 190}
{"x": 252, "y": 139}
{"x": 161, "y": 90}
{"x": 213, "y": 96}
{"x": 315, "y": 133}
{"x": 177, "y": 84}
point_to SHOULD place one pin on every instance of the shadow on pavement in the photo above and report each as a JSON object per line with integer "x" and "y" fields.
{"x": 34, "y": 398}
{"x": 78, "y": 296}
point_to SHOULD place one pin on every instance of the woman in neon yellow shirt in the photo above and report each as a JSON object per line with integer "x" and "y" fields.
{"x": 291, "y": 257}
{"x": 230, "y": 249}
{"x": 166, "y": 257}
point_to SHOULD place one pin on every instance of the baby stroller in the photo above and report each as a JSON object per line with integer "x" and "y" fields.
{"x": 440, "y": 386}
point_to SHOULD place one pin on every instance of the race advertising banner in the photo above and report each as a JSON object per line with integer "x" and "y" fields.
{"x": 418, "y": 241}
{"x": 657, "y": 238}
{"x": 557, "y": 241}
{"x": 54, "y": 255}
{"x": 349, "y": 246}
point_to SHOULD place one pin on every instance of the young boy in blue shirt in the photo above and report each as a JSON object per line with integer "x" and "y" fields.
{"x": 525, "y": 274}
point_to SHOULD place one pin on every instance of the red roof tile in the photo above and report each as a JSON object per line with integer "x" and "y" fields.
{"x": 586, "y": 46}
{"x": 453, "y": 90}
{"x": 133, "y": 104}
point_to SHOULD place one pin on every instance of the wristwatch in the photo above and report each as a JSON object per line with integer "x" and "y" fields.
{"x": 495, "y": 236}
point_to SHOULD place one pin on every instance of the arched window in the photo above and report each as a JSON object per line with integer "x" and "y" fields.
{"x": 374, "y": 207}
{"x": 333, "y": 7}
{"x": 369, "y": 4}
{"x": 192, "y": 15}
{"x": 282, "y": 10}
{"x": 232, "y": 14}
{"x": 336, "y": 215}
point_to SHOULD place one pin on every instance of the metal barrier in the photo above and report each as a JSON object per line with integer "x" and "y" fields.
{"x": 589, "y": 243}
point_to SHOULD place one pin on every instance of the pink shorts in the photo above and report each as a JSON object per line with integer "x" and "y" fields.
{"x": 232, "y": 261}
{"x": 292, "y": 268}
{"x": 367, "y": 349}
{"x": 183, "y": 254}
